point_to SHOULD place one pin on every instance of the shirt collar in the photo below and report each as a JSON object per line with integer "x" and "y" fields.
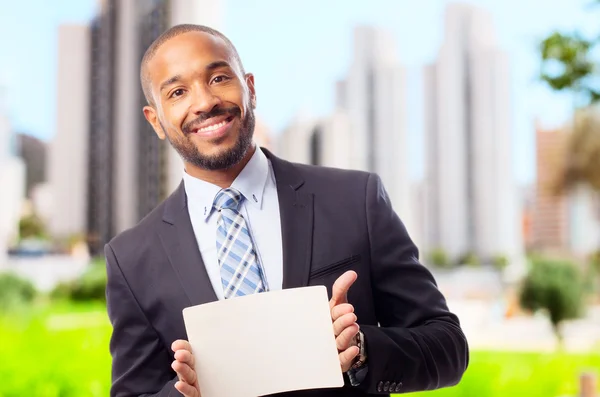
{"x": 250, "y": 183}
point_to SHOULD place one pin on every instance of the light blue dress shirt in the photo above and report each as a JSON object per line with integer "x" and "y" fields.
{"x": 260, "y": 209}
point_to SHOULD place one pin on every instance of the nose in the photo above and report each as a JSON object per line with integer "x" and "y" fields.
{"x": 204, "y": 99}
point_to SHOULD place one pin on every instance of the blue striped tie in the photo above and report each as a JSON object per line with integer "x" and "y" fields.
{"x": 240, "y": 270}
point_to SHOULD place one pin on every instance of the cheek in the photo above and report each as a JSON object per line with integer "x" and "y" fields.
{"x": 174, "y": 116}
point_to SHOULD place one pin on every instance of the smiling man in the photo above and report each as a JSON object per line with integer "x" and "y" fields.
{"x": 244, "y": 221}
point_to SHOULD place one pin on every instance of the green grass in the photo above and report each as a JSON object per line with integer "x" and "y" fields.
{"x": 62, "y": 351}
{"x": 516, "y": 374}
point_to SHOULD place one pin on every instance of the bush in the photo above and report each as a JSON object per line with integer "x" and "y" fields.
{"x": 439, "y": 258}
{"x": 15, "y": 291}
{"x": 31, "y": 226}
{"x": 470, "y": 259}
{"x": 555, "y": 287}
{"x": 91, "y": 286}
{"x": 500, "y": 262}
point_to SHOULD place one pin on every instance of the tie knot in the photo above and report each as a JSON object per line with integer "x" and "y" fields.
{"x": 228, "y": 198}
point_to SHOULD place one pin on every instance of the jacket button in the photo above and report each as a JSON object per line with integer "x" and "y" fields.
{"x": 386, "y": 386}
{"x": 398, "y": 387}
{"x": 380, "y": 386}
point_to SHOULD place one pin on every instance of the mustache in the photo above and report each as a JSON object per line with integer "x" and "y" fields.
{"x": 231, "y": 111}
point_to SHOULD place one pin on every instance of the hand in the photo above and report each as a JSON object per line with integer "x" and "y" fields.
{"x": 344, "y": 320}
{"x": 184, "y": 365}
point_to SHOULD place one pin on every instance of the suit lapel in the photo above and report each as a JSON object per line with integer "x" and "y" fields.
{"x": 296, "y": 213}
{"x": 180, "y": 243}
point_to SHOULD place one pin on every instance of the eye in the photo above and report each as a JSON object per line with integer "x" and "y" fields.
{"x": 220, "y": 79}
{"x": 176, "y": 93}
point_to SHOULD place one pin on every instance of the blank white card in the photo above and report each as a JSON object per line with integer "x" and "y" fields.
{"x": 264, "y": 343}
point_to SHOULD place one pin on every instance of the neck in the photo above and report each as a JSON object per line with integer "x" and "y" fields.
{"x": 222, "y": 178}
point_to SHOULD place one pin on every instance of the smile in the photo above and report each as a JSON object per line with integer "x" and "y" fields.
{"x": 213, "y": 129}
{"x": 213, "y": 126}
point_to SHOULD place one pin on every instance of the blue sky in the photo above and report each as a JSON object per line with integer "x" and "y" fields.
{"x": 297, "y": 50}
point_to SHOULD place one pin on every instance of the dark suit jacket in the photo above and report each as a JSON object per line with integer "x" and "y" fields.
{"x": 332, "y": 221}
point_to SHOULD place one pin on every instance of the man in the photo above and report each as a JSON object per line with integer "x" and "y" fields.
{"x": 245, "y": 221}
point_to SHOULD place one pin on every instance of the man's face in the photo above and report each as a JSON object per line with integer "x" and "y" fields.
{"x": 202, "y": 103}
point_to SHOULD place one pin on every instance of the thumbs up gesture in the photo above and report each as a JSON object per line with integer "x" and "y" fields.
{"x": 344, "y": 320}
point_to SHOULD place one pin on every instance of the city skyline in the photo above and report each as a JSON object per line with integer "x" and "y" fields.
{"x": 313, "y": 82}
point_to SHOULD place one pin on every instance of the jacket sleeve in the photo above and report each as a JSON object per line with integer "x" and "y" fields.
{"x": 418, "y": 344}
{"x": 141, "y": 365}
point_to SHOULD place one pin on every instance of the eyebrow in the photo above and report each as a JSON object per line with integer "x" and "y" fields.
{"x": 217, "y": 64}
{"x": 170, "y": 81}
{"x": 210, "y": 67}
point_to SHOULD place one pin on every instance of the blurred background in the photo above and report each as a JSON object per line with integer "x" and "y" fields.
{"x": 481, "y": 117}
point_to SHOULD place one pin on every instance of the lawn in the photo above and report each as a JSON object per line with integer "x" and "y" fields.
{"x": 516, "y": 374}
{"x": 63, "y": 352}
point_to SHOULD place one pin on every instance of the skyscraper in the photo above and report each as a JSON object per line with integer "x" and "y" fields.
{"x": 373, "y": 97}
{"x": 68, "y": 161}
{"x": 472, "y": 202}
{"x": 102, "y": 129}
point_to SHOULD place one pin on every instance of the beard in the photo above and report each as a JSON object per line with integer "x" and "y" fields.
{"x": 190, "y": 153}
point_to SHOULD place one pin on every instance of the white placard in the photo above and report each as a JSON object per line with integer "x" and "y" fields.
{"x": 264, "y": 343}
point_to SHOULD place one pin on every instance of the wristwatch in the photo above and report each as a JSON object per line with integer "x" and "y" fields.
{"x": 361, "y": 359}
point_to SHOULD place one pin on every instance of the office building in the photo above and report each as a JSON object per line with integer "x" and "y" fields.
{"x": 68, "y": 155}
{"x": 33, "y": 151}
{"x": 12, "y": 183}
{"x": 562, "y": 221}
{"x": 472, "y": 198}
{"x": 322, "y": 141}
{"x": 550, "y": 221}
{"x": 373, "y": 95}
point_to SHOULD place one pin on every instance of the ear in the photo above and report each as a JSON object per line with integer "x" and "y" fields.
{"x": 152, "y": 117}
{"x": 251, "y": 89}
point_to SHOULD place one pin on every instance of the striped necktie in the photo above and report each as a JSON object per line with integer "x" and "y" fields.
{"x": 240, "y": 271}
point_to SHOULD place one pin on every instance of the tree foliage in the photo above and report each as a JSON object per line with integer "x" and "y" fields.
{"x": 556, "y": 288}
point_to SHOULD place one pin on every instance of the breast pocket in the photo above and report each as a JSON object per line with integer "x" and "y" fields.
{"x": 336, "y": 267}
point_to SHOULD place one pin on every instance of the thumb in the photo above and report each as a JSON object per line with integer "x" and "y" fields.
{"x": 339, "y": 291}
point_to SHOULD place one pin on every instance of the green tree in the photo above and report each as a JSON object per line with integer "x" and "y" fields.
{"x": 569, "y": 65}
{"x": 556, "y": 288}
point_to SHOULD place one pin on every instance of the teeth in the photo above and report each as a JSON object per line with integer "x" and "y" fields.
{"x": 212, "y": 127}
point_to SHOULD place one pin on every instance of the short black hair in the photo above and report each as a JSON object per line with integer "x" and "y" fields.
{"x": 174, "y": 32}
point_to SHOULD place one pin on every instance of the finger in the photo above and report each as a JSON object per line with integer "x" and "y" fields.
{"x": 185, "y": 357}
{"x": 347, "y": 356}
{"x": 185, "y": 372}
{"x": 343, "y": 322}
{"x": 344, "y": 339}
{"x": 339, "y": 310}
{"x": 340, "y": 288}
{"x": 186, "y": 389}
{"x": 181, "y": 344}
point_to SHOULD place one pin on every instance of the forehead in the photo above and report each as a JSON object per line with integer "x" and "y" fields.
{"x": 186, "y": 53}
